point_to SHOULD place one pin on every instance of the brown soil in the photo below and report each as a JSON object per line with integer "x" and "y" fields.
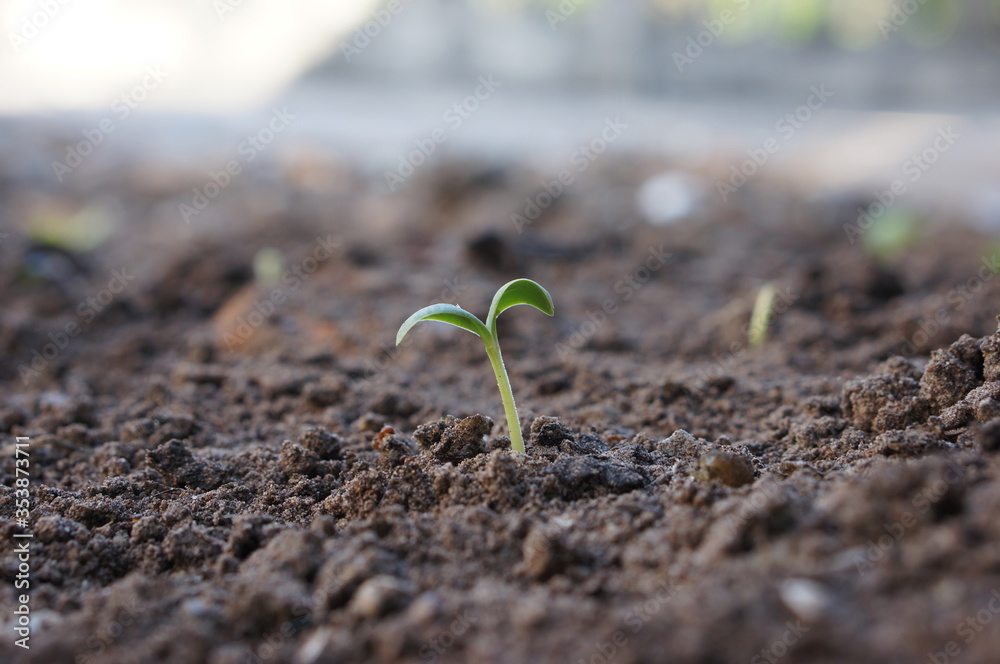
{"x": 214, "y": 484}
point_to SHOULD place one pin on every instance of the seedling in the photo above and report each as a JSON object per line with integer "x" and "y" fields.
{"x": 76, "y": 233}
{"x": 519, "y": 291}
{"x": 891, "y": 235}
{"x": 268, "y": 266}
{"x": 763, "y": 314}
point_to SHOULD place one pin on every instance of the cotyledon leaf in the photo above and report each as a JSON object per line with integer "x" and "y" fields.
{"x": 445, "y": 313}
{"x": 519, "y": 291}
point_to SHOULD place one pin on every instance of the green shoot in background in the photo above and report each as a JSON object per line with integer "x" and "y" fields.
{"x": 763, "y": 313}
{"x": 891, "y": 235}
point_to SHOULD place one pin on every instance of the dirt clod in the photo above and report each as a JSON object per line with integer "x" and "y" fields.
{"x": 884, "y": 402}
{"x": 546, "y": 554}
{"x": 952, "y": 373}
{"x": 453, "y": 440}
{"x": 297, "y": 460}
{"x": 180, "y": 467}
{"x": 322, "y": 443}
{"x": 393, "y": 449}
{"x": 731, "y": 469}
{"x": 380, "y": 595}
{"x": 988, "y": 436}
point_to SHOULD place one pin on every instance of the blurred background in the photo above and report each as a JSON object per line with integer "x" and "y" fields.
{"x": 836, "y": 100}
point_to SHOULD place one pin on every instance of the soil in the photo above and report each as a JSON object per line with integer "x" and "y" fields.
{"x": 226, "y": 470}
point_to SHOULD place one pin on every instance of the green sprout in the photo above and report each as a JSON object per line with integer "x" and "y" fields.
{"x": 268, "y": 266}
{"x": 74, "y": 233}
{"x": 763, "y": 313}
{"x": 895, "y": 232}
{"x": 519, "y": 291}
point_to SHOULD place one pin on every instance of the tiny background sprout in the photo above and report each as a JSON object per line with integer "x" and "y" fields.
{"x": 268, "y": 266}
{"x": 74, "y": 233}
{"x": 891, "y": 235}
{"x": 992, "y": 249}
{"x": 763, "y": 314}
{"x": 511, "y": 294}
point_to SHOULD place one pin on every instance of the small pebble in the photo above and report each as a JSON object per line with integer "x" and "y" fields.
{"x": 730, "y": 469}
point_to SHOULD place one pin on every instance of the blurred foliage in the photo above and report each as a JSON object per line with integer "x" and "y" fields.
{"x": 892, "y": 235}
{"x": 268, "y": 266}
{"x": 75, "y": 233}
{"x": 851, "y": 24}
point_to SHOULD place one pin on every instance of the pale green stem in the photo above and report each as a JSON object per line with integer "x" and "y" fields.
{"x": 760, "y": 318}
{"x": 506, "y": 395}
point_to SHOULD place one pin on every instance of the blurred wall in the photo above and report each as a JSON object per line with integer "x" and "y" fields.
{"x": 227, "y": 54}
{"x": 938, "y": 54}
